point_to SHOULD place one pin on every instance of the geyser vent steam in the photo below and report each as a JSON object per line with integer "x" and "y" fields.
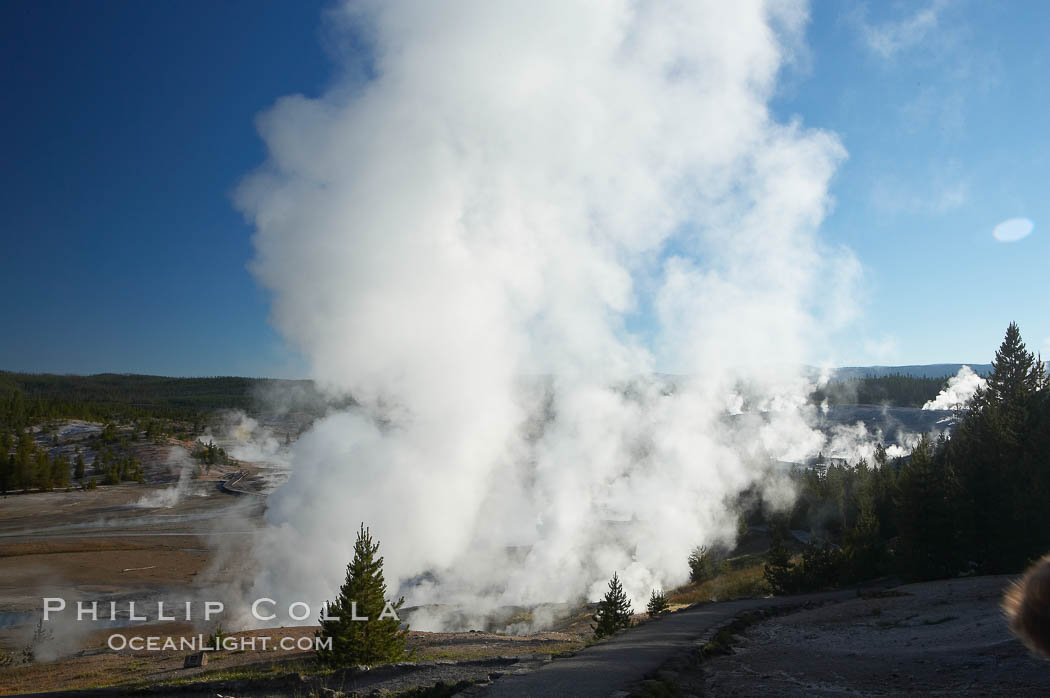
{"x": 494, "y": 244}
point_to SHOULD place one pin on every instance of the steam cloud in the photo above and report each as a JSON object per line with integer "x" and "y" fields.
{"x": 960, "y": 390}
{"x": 494, "y": 243}
{"x": 178, "y": 460}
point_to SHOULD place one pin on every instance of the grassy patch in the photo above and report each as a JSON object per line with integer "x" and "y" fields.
{"x": 744, "y": 579}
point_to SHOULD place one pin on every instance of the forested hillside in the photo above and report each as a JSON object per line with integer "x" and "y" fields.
{"x": 896, "y": 390}
{"x": 974, "y": 502}
{"x": 33, "y": 398}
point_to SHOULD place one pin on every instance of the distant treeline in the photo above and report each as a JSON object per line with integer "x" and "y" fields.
{"x": 897, "y": 390}
{"x": 34, "y": 398}
{"x": 27, "y": 399}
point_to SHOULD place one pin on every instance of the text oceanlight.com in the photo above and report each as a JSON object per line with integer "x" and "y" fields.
{"x": 200, "y": 643}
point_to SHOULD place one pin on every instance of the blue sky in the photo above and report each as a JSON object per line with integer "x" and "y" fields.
{"x": 127, "y": 125}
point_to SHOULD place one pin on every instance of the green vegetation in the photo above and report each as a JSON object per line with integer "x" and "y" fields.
{"x": 702, "y": 564}
{"x": 209, "y": 454}
{"x": 614, "y": 610}
{"x": 131, "y": 407}
{"x": 658, "y": 603}
{"x": 34, "y": 398}
{"x": 26, "y": 464}
{"x": 29, "y": 466}
{"x": 27, "y": 399}
{"x": 377, "y": 640}
{"x": 738, "y": 578}
{"x": 975, "y": 503}
{"x": 897, "y": 390}
{"x": 78, "y": 467}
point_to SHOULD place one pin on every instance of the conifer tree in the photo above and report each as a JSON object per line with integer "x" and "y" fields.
{"x": 928, "y": 535}
{"x": 1015, "y": 375}
{"x": 7, "y": 470}
{"x": 701, "y": 564}
{"x": 22, "y": 475}
{"x": 778, "y": 570}
{"x": 377, "y": 640}
{"x": 60, "y": 471}
{"x": 864, "y": 548}
{"x": 657, "y": 603}
{"x": 78, "y": 467}
{"x": 43, "y": 472}
{"x": 1004, "y": 476}
{"x": 614, "y": 610}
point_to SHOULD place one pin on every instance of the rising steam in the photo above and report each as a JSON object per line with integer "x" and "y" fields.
{"x": 960, "y": 390}
{"x": 494, "y": 243}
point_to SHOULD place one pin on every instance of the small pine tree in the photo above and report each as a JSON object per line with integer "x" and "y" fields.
{"x": 658, "y": 603}
{"x": 60, "y": 471}
{"x": 778, "y": 570}
{"x": 701, "y": 564}
{"x": 614, "y": 610}
{"x": 44, "y": 472}
{"x": 78, "y": 467}
{"x": 377, "y": 640}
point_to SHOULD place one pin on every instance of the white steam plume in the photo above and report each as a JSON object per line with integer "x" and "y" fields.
{"x": 178, "y": 460}
{"x": 493, "y": 244}
{"x": 960, "y": 390}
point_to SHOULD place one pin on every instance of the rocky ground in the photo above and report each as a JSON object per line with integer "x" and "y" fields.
{"x": 935, "y": 638}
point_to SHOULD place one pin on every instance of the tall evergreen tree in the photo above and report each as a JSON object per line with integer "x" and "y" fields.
{"x": 1005, "y": 477}
{"x": 1015, "y": 375}
{"x": 25, "y": 453}
{"x": 865, "y": 549}
{"x": 614, "y": 610}
{"x": 377, "y": 640}
{"x": 60, "y": 471}
{"x": 43, "y": 471}
{"x": 927, "y": 543}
